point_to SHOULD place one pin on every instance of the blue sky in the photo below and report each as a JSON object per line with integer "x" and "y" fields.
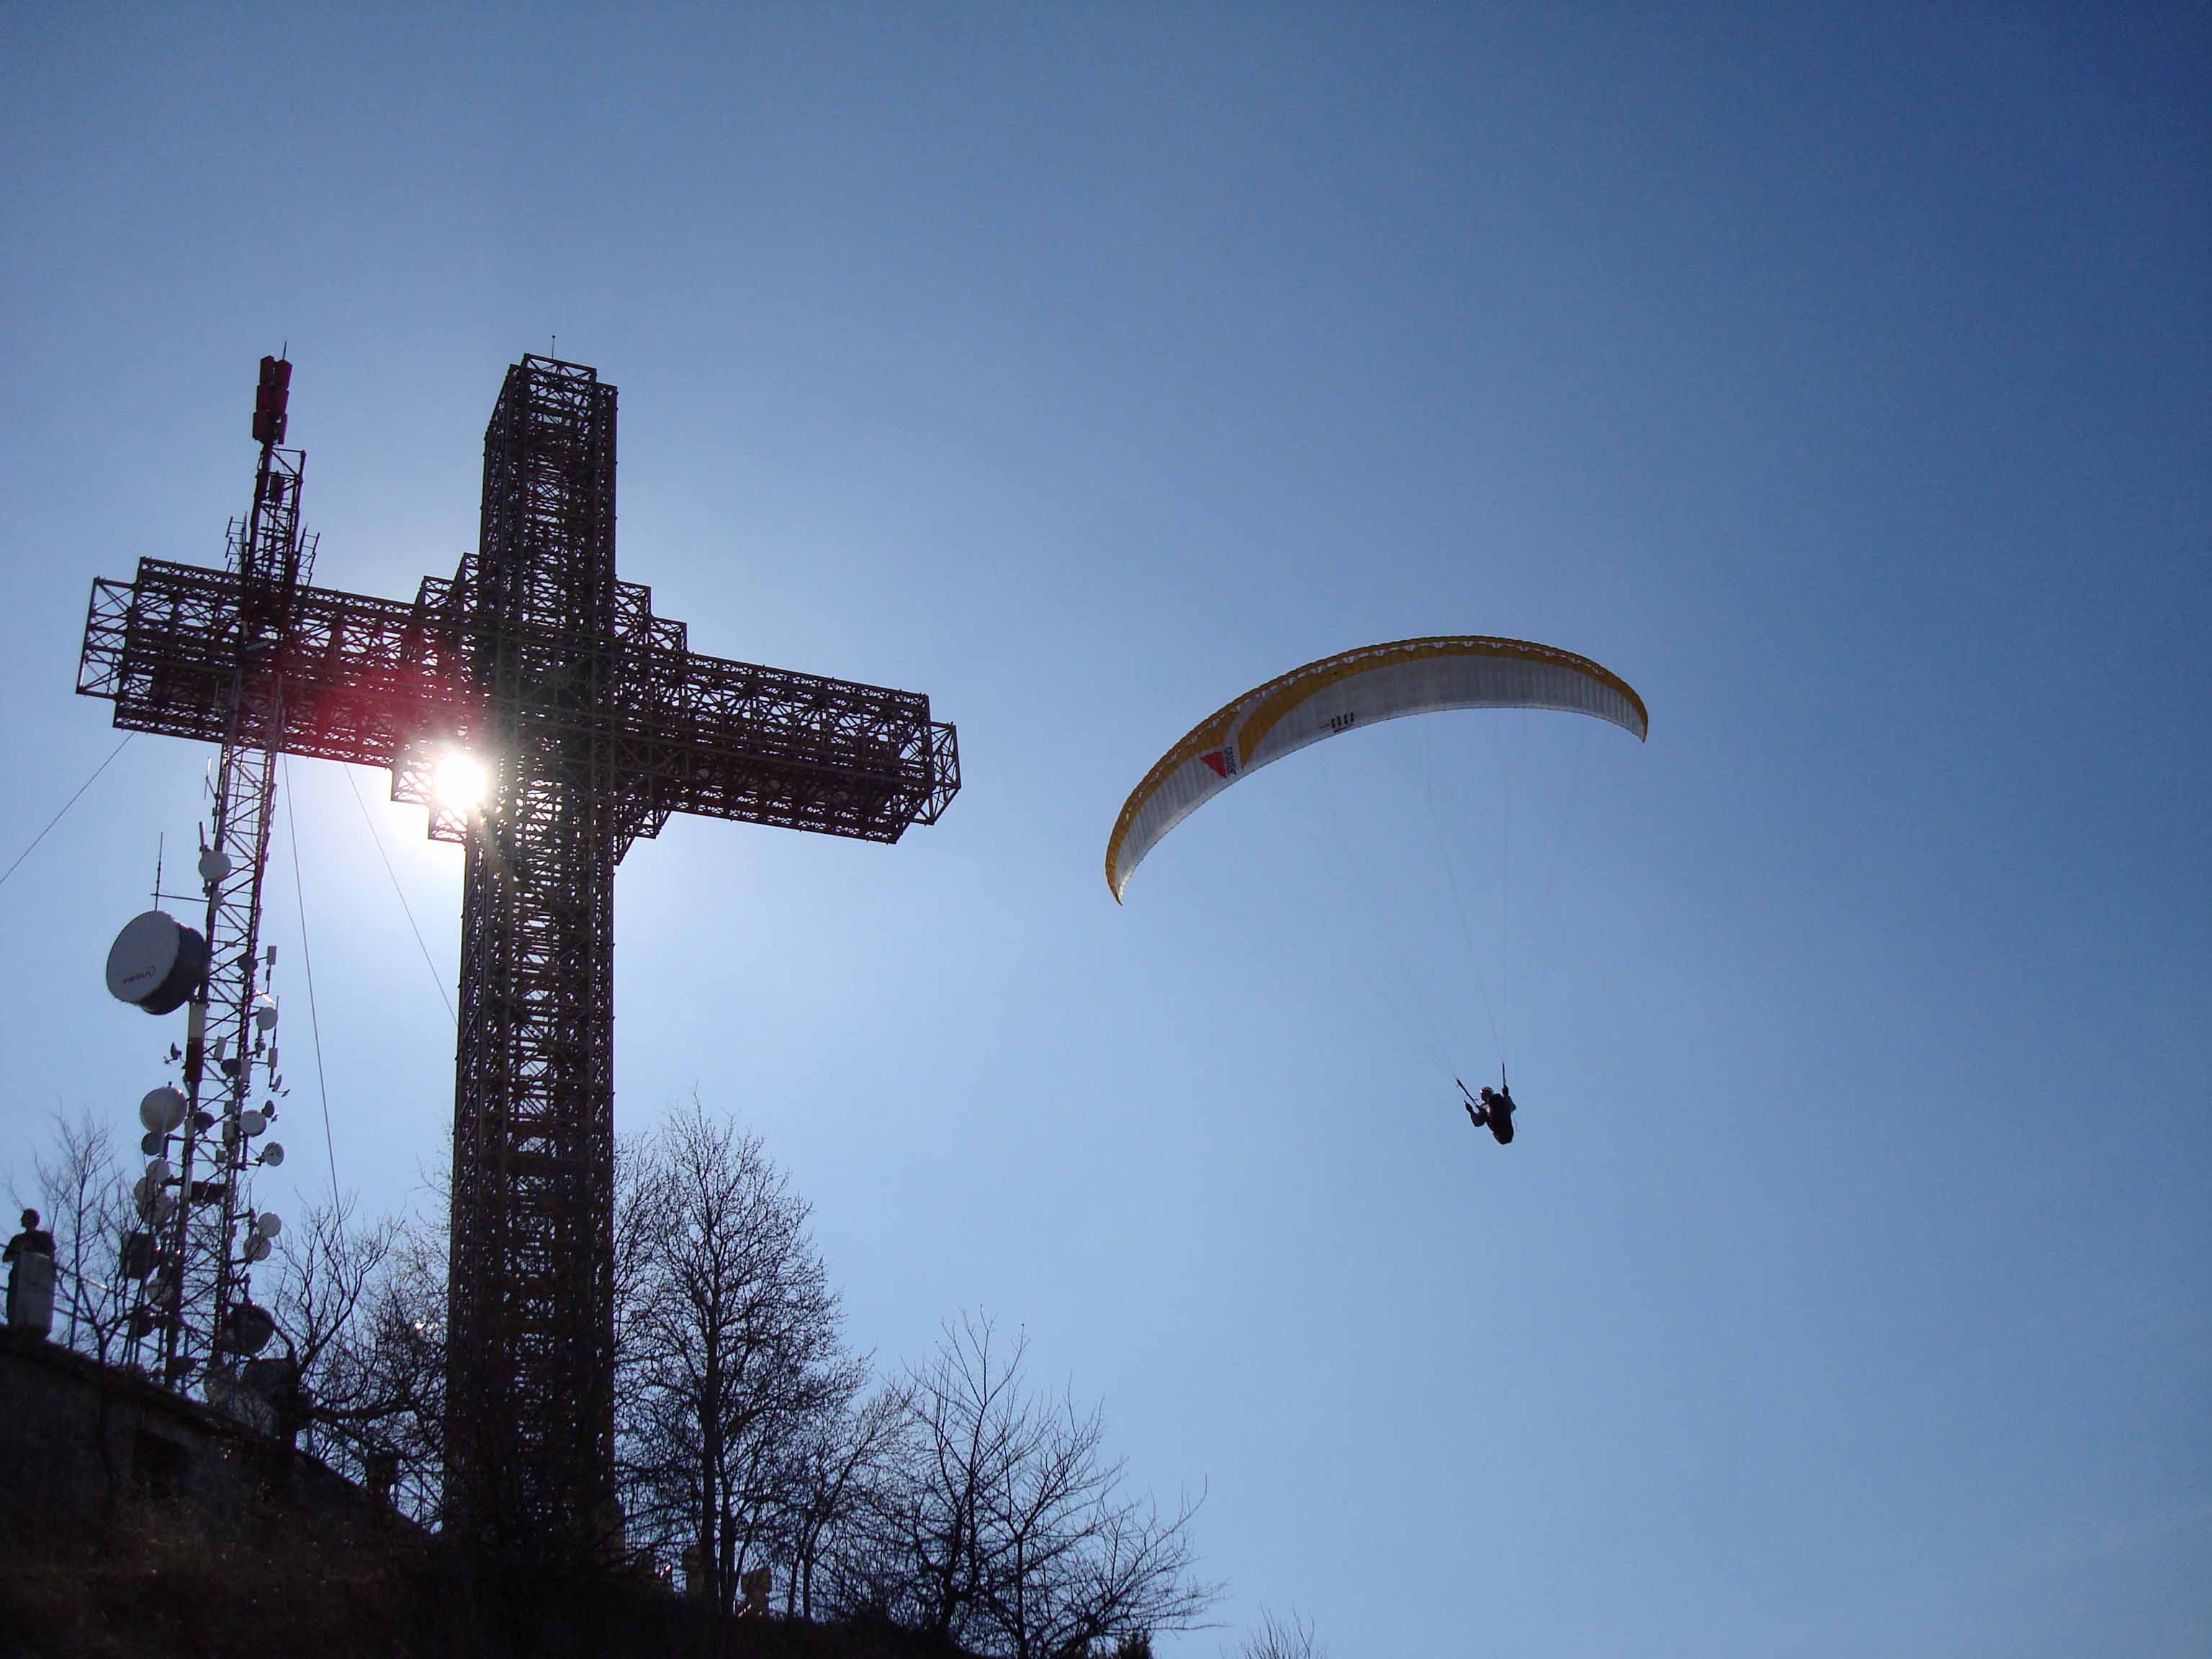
{"x": 1839, "y": 381}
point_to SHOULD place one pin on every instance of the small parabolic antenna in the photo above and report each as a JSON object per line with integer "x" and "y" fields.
{"x": 251, "y": 1328}
{"x": 156, "y": 963}
{"x": 162, "y": 1110}
{"x": 272, "y": 1154}
{"x": 247, "y": 1124}
{"x": 155, "y": 1202}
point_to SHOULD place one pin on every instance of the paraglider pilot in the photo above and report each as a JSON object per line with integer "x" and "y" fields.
{"x": 1493, "y": 1111}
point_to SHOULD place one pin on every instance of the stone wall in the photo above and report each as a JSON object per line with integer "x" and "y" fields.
{"x": 77, "y": 1438}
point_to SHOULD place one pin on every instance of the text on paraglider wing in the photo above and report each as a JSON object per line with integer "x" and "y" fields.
{"x": 1342, "y": 722}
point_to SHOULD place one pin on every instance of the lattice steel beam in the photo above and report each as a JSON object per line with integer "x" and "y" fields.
{"x": 365, "y": 678}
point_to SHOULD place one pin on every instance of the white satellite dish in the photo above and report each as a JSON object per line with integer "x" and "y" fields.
{"x": 152, "y": 1143}
{"x": 257, "y": 1249}
{"x": 158, "y": 1172}
{"x": 265, "y": 1012}
{"x": 250, "y": 1124}
{"x": 156, "y": 963}
{"x": 215, "y": 864}
{"x": 272, "y": 1154}
{"x": 162, "y": 1109}
{"x": 270, "y": 1225}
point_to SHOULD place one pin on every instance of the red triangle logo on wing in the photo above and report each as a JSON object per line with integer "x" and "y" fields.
{"x": 1218, "y": 762}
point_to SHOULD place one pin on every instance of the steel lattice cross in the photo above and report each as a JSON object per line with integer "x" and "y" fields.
{"x": 597, "y": 723}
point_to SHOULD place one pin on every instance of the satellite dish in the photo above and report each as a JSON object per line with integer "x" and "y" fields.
{"x": 257, "y": 1249}
{"x": 156, "y": 963}
{"x": 251, "y": 1328}
{"x": 162, "y": 1110}
{"x": 272, "y": 1154}
{"x": 265, "y": 1012}
{"x": 152, "y": 1145}
{"x": 214, "y": 864}
{"x": 270, "y": 1225}
{"x": 158, "y": 1172}
{"x": 250, "y": 1124}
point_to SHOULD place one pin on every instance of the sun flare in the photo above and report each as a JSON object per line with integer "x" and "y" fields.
{"x": 460, "y": 783}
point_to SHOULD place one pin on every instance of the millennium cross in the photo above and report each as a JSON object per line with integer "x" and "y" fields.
{"x": 595, "y": 723}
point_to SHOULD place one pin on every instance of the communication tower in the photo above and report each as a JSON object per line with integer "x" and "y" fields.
{"x": 203, "y": 1233}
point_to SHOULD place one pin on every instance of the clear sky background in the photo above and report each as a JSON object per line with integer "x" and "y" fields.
{"x": 1841, "y": 382}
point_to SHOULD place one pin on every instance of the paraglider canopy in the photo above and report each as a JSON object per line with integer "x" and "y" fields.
{"x": 1337, "y": 694}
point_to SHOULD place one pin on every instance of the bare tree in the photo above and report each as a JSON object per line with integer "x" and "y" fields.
{"x": 841, "y": 1459}
{"x": 732, "y": 1347}
{"x": 1279, "y": 1639}
{"x": 326, "y": 1274}
{"x": 408, "y": 1347}
{"x": 654, "y": 1527}
{"x": 354, "y": 1303}
{"x": 360, "y": 1310}
{"x": 1006, "y": 1528}
{"x": 83, "y": 1194}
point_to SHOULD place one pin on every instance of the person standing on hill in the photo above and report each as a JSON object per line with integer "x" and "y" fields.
{"x": 33, "y": 1240}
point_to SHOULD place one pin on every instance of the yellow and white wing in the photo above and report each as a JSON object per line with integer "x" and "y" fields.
{"x": 1358, "y": 688}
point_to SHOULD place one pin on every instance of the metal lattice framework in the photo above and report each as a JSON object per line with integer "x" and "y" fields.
{"x": 597, "y": 723}
{"x": 200, "y": 1272}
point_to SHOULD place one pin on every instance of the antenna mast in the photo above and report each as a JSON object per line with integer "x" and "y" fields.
{"x": 214, "y": 1234}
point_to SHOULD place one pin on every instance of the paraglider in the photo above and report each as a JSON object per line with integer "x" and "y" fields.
{"x": 1352, "y": 689}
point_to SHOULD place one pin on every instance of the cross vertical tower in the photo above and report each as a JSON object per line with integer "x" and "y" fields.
{"x": 530, "y": 1301}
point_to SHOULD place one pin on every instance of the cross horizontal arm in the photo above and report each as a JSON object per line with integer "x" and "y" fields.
{"x": 766, "y": 745}
{"x": 362, "y": 676}
{"x": 365, "y": 678}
